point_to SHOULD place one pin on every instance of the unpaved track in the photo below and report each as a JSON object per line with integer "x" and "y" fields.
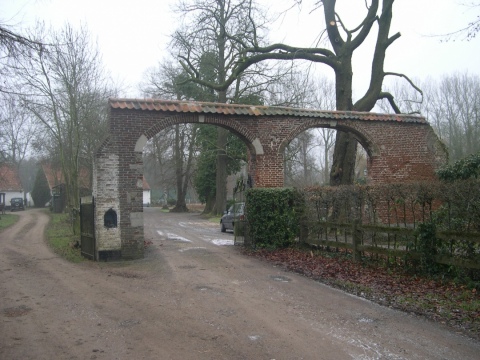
{"x": 191, "y": 299}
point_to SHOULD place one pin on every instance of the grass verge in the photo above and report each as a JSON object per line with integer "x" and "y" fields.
{"x": 61, "y": 238}
{"x": 7, "y": 220}
{"x": 215, "y": 219}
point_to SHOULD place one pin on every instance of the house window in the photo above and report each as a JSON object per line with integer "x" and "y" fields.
{"x": 110, "y": 218}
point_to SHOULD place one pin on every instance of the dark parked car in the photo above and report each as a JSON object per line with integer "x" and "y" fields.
{"x": 235, "y": 213}
{"x": 16, "y": 204}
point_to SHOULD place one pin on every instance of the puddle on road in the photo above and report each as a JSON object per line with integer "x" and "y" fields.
{"x": 365, "y": 320}
{"x": 199, "y": 224}
{"x": 222, "y": 242}
{"x": 203, "y": 288}
{"x": 176, "y": 237}
{"x": 280, "y": 278}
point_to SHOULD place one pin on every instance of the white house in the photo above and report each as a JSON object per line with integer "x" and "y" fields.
{"x": 146, "y": 193}
{"x": 10, "y": 184}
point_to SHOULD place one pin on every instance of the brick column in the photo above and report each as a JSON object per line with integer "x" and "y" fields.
{"x": 269, "y": 171}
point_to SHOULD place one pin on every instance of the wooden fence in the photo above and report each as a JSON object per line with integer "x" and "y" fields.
{"x": 391, "y": 243}
{"x": 382, "y": 222}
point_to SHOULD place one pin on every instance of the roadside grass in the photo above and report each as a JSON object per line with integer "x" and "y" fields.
{"x": 61, "y": 239}
{"x": 7, "y": 220}
{"x": 215, "y": 219}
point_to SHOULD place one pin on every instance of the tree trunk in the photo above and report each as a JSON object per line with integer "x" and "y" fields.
{"x": 209, "y": 205}
{"x": 345, "y": 150}
{"x": 326, "y": 175}
{"x": 343, "y": 165}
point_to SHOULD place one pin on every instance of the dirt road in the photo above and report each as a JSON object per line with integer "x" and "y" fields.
{"x": 194, "y": 296}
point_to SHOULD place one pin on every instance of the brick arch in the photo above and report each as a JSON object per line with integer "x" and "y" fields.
{"x": 401, "y": 148}
{"x": 242, "y": 132}
{"x": 364, "y": 138}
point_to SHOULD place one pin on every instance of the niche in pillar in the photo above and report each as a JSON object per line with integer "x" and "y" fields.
{"x": 110, "y": 218}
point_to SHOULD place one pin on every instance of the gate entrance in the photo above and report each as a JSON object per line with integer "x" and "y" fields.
{"x": 87, "y": 227}
{"x": 400, "y": 148}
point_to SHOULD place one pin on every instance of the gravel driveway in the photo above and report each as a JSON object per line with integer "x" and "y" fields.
{"x": 194, "y": 296}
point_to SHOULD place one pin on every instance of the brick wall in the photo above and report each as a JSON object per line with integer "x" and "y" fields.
{"x": 399, "y": 151}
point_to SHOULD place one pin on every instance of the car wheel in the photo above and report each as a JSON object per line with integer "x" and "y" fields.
{"x": 223, "y": 229}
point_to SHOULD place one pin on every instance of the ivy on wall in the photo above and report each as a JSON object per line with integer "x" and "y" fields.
{"x": 466, "y": 168}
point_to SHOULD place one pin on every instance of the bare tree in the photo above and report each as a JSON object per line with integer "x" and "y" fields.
{"x": 471, "y": 29}
{"x": 16, "y": 129}
{"x": 166, "y": 82}
{"x": 324, "y": 98}
{"x": 66, "y": 90}
{"x": 209, "y": 47}
{"x": 454, "y": 110}
{"x": 343, "y": 42}
{"x": 159, "y": 167}
{"x": 13, "y": 47}
{"x": 301, "y": 161}
{"x": 451, "y": 105}
{"x": 307, "y": 157}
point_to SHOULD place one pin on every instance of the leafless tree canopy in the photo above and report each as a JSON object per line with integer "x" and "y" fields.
{"x": 64, "y": 89}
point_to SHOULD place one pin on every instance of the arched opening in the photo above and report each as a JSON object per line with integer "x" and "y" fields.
{"x": 110, "y": 218}
{"x": 308, "y": 158}
{"x": 398, "y": 146}
{"x": 179, "y": 164}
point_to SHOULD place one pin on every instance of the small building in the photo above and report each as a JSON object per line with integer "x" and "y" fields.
{"x": 54, "y": 177}
{"x": 10, "y": 184}
{"x": 56, "y": 184}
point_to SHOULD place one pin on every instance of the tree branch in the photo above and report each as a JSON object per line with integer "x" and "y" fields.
{"x": 391, "y": 100}
{"x": 406, "y": 78}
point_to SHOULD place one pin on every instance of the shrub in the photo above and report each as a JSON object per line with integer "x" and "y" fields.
{"x": 466, "y": 168}
{"x": 40, "y": 191}
{"x": 274, "y": 216}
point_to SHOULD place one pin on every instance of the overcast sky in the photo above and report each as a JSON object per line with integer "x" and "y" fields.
{"x": 133, "y": 35}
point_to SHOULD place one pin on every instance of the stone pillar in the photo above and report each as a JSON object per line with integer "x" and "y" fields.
{"x": 131, "y": 204}
{"x": 269, "y": 171}
{"x": 105, "y": 191}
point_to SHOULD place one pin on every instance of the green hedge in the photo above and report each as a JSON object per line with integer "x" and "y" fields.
{"x": 274, "y": 216}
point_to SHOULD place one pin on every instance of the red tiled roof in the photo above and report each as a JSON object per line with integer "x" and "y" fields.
{"x": 55, "y": 176}
{"x": 9, "y": 179}
{"x": 250, "y": 110}
{"x": 145, "y": 184}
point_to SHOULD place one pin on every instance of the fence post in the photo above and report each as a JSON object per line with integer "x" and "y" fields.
{"x": 356, "y": 238}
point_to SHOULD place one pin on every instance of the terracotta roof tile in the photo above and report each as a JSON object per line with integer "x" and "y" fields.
{"x": 249, "y": 110}
{"x": 9, "y": 179}
{"x": 145, "y": 184}
{"x": 55, "y": 177}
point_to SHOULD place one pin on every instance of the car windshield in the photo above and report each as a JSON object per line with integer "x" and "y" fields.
{"x": 236, "y": 208}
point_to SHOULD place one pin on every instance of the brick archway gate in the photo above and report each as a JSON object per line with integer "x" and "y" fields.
{"x": 400, "y": 147}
